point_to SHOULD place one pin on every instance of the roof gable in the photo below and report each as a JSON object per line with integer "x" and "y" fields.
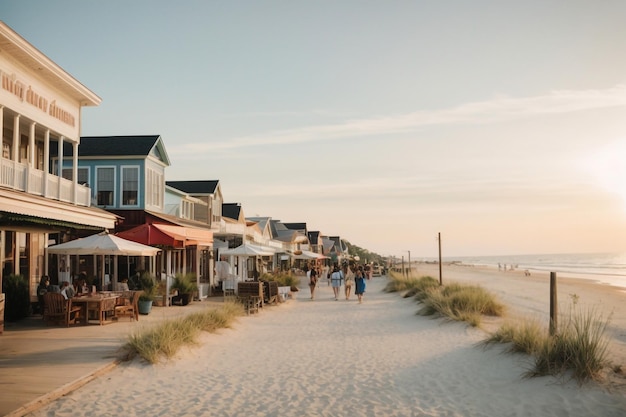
{"x": 141, "y": 146}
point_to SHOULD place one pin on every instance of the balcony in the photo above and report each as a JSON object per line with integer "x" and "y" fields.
{"x": 20, "y": 177}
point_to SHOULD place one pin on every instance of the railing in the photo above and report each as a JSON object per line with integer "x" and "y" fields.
{"x": 21, "y": 177}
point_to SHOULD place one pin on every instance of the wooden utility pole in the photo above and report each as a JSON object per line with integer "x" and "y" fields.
{"x": 553, "y": 306}
{"x": 440, "y": 277}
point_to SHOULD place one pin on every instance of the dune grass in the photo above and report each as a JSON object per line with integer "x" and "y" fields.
{"x": 168, "y": 337}
{"x": 456, "y": 302}
{"x": 579, "y": 347}
{"x": 459, "y": 302}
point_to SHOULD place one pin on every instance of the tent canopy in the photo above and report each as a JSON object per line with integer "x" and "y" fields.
{"x": 103, "y": 244}
{"x": 248, "y": 250}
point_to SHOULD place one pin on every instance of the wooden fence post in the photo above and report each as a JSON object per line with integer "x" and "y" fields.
{"x": 553, "y": 306}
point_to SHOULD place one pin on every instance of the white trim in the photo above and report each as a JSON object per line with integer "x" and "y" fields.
{"x": 137, "y": 168}
{"x": 98, "y": 167}
{"x": 29, "y": 205}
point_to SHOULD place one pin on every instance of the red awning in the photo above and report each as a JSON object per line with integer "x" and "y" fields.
{"x": 167, "y": 235}
{"x": 193, "y": 236}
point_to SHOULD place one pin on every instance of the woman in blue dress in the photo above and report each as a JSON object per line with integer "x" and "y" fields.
{"x": 359, "y": 280}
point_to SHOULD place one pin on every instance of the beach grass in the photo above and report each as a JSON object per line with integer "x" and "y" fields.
{"x": 458, "y": 302}
{"x": 168, "y": 337}
{"x": 579, "y": 346}
{"x": 413, "y": 286}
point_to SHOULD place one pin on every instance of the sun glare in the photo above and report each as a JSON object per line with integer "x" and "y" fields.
{"x": 608, "y": 166}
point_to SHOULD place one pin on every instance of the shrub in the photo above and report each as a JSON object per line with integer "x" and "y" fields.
{"x": 184, "y": 283}
{"x": 148, "y": 286}
{"x": 284, "y": 279}
{"x": 17, "y": 300}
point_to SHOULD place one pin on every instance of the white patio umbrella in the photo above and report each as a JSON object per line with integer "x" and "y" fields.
{"x": 103, "y": 244}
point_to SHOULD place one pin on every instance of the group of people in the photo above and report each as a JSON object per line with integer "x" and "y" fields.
{"x": 350, "y": 275}
{"x": 66, "y": 289}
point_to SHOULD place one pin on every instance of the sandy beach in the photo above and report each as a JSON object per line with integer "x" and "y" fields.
{"x": 341, "y": 358}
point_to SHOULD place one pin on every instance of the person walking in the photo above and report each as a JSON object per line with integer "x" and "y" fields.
{"x": 349, "y": 274}
{"x": 336, "y": 277}
{"x": 359, "y": 280}
{"x": 313, "y": 281}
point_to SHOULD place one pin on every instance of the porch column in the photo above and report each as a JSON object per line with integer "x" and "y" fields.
{"x": 16, "y": 147}
{"x": 60, "y": 166}
{"x": 30, "y": 156}
{"x": 74, "y": 171}
{"x": 46, "y": 161}
{"x": 31, "y": 145}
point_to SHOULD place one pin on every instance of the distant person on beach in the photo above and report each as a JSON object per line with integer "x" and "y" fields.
{"x": 313, "y": 281}
{"x": 336, "y": 277}
{"x": 349, "y": 274}
{"x": 359, "y": 280}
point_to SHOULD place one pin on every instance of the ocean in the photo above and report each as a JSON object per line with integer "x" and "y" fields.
{"x": 608, "y": 268}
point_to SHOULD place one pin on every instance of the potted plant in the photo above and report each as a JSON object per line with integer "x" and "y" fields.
{"x": 160, "y": 297}
{"x": 148, "y": 289}
{"x": 185, "y": 286}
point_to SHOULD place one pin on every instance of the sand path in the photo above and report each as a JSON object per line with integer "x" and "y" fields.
{"x": 337, "y": 358}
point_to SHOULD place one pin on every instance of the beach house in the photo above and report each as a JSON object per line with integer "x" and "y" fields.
{"x": 40, "y": 109}
{"x": 127, "y": 175}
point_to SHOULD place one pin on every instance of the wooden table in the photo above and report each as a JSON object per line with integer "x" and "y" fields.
{"x": 100, "y": 304}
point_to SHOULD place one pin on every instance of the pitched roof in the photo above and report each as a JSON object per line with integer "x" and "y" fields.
{"x": 231, "y": 210}
{"x": 195, "y": 187}
{"x": 295, "y": 226}
{"x": 116, "y": 145}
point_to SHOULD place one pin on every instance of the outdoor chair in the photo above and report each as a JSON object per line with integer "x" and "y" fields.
{"x": 129, "y": 309}
{"x": 59, "y": 310}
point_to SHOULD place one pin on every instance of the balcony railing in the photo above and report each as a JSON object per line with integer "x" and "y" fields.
{"x": 21, "y": 177}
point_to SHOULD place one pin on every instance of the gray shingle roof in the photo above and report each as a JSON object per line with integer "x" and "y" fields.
{"x": 195, "y": 187}
{"x": 115, "y": 145}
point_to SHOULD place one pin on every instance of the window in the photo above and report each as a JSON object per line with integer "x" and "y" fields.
{"x": 154, "y": 188}
{"x": 130, "y": 186}
{"x": 83, "y": 175}
{"x": 104, "y": 185}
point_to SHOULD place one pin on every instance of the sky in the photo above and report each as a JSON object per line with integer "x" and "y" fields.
{"x": 499, "y": 126}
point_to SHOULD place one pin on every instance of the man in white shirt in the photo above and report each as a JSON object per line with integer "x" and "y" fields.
{"x": 67, "y": 291}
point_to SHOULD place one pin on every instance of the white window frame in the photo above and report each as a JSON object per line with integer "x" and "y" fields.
{"x": 137, "y": 169}
{"x": 97, "y": 184}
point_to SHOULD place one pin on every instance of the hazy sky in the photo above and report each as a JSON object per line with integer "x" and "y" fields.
{"x": 500, "y": 125}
